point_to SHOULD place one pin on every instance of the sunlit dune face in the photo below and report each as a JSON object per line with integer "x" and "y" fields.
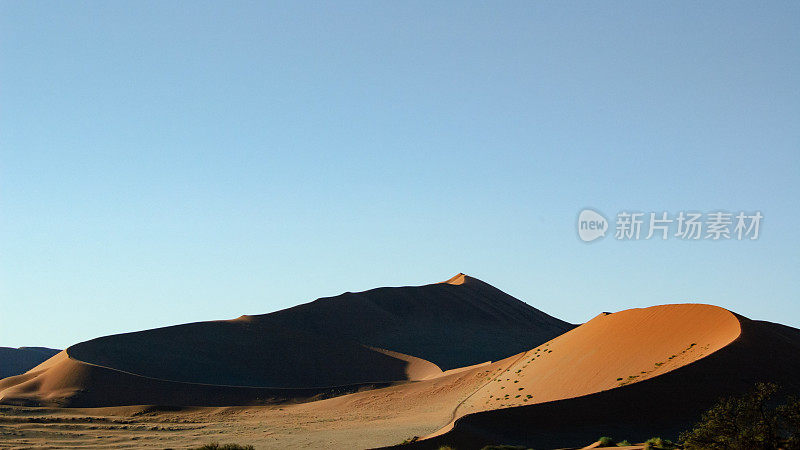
{"x": 609, "y": 351}
{"x": 457, "y": 280}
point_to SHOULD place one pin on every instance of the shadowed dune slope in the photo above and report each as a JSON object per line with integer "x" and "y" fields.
{"x": 460, "y": 322}
{"x": 242, "y": 353}
{"x": 62, "y": 381}
{"x": 324, "y": 343}
{"x": 378, "y": 336}
{"x": 14, "y": 361}
{"x": 664, "y": 404}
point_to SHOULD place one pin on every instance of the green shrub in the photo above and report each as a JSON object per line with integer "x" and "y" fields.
{"x": 624, "y": 443}
{"x": 657, "y": 443}
{"x": 751, "y": 421}
{"x": 605, "y": 441}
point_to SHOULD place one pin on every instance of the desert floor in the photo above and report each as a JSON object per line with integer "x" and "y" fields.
{"x": 365, "y": 419}
{"x": 291, "y": 426}
{"x": 263, "y": 427}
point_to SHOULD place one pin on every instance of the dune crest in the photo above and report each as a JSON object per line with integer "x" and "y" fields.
{"x": 417, "y": 368}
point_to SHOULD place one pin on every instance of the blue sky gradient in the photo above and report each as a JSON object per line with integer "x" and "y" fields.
{"x": 168, "y": 162}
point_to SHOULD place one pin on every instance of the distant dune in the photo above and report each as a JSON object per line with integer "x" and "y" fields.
{"x": 14, "y": 361}
{"x": 345, "y": 342}
{"x": 62, "y": 381}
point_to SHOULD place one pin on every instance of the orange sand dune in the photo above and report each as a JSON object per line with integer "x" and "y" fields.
{"x": 416, "y": 368}
{"x": 63, "y": 381}
{"x": 632, "y": 375}
{"x": 609, "y": 351}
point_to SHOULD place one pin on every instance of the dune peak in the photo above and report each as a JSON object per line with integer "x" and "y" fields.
{"x": 459, "y": 279}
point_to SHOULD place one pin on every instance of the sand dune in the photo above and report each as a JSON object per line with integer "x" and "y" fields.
{"x": 453, "y": 324}
{"x": 583, "y": 384}
{"x": 416, "y": 368}
{"x": 242, "y": 353}
{"x": 609, "y": 351}
{"x": 343, "y": 342}
{"x": 63, "y": 381}
{"x": 573, "y": 401}
{"x": 14, "y": 361}
{"x": 377, "y": 367}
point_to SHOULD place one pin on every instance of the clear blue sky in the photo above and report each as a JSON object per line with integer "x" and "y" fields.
{"x": 168, "y": 162}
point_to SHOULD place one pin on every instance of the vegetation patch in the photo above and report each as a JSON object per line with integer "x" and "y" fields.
{"x": 217, "y": 446}
{"x": 605, "y": 441}
{"x": 657, "y": 443}
{"x": 756, "y": 420}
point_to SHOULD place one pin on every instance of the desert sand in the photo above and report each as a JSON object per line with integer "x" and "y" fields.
{"x": 634, "y": 373}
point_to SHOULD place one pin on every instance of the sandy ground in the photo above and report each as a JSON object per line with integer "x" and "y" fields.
{"x": 263, "y": 427}
{"x": 366, "y": 419}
